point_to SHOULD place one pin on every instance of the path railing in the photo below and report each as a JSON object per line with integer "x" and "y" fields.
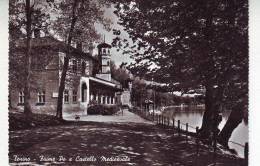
{"x": 166, "y": 122}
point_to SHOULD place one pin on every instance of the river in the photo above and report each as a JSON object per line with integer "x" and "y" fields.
{"x": 193, "y": 116}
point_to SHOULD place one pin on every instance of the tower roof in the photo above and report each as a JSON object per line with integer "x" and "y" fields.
{"x": 104, "y": 45}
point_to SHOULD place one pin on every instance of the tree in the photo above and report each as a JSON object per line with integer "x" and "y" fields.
{"x": 198, "y": 43}
{"x": 139, "y": 92}
{"x": 24, "y": 16}
{"x": 238, "y": 95}
{"x": 119, "y": 74}
{"x": 16, "y": 63}
{"x": 163, "y": 99}
{"x": 75, "y": 24}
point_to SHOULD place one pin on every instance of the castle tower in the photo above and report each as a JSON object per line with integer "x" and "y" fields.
{"x": 104, "y": 58}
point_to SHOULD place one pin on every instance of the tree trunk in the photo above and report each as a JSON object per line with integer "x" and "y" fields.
{"x": 211, "y": 117}
{"x": 27, "y": 103}
{"x": 234, "y": 120}
{"x": 62, "y": 87}
{"x": 66, "y": 63}
{"x": 237, "y": 112}
{"x": 205, "y": 130}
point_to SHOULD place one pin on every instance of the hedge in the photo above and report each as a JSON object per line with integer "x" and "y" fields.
{"x": 102, "y": 110}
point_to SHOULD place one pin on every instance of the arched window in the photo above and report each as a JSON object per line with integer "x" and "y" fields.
{"x": 108, "y": 62}
{"x": 108, "y": 51}
{"x": 104, "y": 51}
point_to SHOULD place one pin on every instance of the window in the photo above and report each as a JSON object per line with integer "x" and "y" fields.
{"x": 74, "y": 97}
{"x": 66, "y": 96}
{"x": 112, "y": 100}
{"x": 41, "y": 97}
{"x": 74, "y": 65}
{"x": 104, "y": 100}
{"x": 108, "y": 100}
{"x": 108, "y": 63}
{"x": 21, "y": 97}
{"x": 83, "y": 67}
{"x": 99, "y": 99}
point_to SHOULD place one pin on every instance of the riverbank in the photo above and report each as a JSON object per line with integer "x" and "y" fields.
{"x": 194, "y": 115}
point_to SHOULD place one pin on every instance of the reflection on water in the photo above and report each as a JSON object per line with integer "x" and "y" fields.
{"x": 193, "y": 116}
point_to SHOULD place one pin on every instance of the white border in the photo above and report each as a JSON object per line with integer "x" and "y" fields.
{"x": 4, "y": 82}
{"x": 254, "y": 82}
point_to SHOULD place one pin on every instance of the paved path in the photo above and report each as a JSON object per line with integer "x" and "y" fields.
{"x": 128, "y": 138}
{"x": 126, "y": 117}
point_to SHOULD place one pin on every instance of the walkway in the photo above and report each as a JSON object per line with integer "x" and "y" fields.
{"x": 125, "y": 118}
{"x": 127, "y": 138}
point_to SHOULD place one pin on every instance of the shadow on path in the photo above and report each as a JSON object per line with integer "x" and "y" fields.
{"x": 135, "y": 143}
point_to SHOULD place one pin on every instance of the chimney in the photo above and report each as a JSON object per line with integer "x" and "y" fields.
{"x": 37, "y": 33}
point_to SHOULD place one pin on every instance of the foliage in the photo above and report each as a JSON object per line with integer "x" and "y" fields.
{"x": 164, "y": 99}
{"x": 139, "y": 92}
{"x": 75, "y": 24}
{"x": 135, "y": 109}
{"x": 176, "y": 42}
{"x": 193, "y": 43}
{"x": 102, "y": 109}
{"x": 142, "y": 91}
{"x": 24, "y": 17}
{"x": 174, "y": 36}
{"x": 17, "y": 36}
{"x": 119, "y": 74}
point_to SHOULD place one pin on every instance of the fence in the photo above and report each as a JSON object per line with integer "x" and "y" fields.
{"x": 166, "y": 122}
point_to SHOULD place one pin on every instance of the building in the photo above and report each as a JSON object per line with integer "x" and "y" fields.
{"x": 88, "y": 80}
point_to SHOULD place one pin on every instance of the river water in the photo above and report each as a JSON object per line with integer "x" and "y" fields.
{"x": 193, "y": 116}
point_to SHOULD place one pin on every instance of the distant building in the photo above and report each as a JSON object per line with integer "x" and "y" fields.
{"x": 125, "y": 96}
{"x": 88, "y": 80}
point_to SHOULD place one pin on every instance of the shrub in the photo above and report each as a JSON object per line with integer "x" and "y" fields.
{"x": 102, "y": 110}
{"x": 125, "y": 107}
{"x": 134, "y": 109}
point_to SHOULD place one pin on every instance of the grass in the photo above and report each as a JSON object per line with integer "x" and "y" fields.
{"x": 19, "y": 121}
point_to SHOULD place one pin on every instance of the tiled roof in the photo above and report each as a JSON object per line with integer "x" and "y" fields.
{"x": 104, "y": 45}
{"x": 42, "y": 41}
{"x": 54, "y": 43}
